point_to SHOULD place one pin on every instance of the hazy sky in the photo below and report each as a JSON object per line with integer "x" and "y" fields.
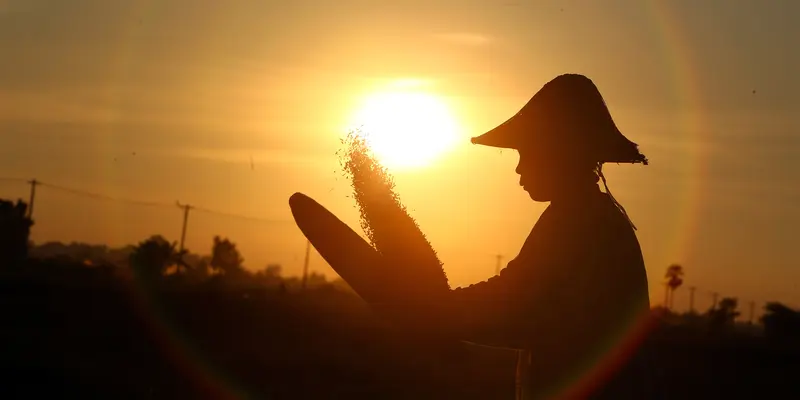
{"x": 197, "y": 88}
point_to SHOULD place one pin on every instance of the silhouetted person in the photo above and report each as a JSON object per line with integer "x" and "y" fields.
{"x": 576, "y": 296}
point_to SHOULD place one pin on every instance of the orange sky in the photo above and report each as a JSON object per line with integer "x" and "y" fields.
{"x": 197, "y": 88}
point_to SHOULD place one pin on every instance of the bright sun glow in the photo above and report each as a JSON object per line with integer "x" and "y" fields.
{"x": 406, "y": 129}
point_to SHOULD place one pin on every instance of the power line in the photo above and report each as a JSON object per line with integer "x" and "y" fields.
{"x": 239, "y": 216}
{"x": 186, "y": 208}
{"x": 99, "y": 196}
{"x": 6, "y": 179}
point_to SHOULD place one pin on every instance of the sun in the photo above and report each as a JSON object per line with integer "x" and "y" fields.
{"x": 406, "y": 129}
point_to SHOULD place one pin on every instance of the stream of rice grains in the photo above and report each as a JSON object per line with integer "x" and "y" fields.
{"x": 411, "y": 267}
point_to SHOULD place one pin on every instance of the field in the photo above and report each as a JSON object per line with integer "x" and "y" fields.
{"x": 110, "y": 339}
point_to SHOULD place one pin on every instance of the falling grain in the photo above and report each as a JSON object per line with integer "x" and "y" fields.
{"x": 411, "y": 261}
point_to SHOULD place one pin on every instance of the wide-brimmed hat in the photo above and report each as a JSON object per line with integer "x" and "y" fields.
{"x": 567, "y": 117}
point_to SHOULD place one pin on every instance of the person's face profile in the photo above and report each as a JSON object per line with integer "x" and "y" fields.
{"x": 545, "y": 174}
{"x": 534, "y": 177}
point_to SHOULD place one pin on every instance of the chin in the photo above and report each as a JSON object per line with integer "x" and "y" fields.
{"x": 538, "y": 197}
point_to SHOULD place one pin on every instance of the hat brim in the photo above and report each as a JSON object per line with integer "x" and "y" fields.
{"x": 502, "y": 137}
{"x": 615, "y": 147}
{"x": 567, "y": 119}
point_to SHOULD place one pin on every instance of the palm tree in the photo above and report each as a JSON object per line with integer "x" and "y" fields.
{"x": 674, "y": 278}
{"x": 151, "y": 258}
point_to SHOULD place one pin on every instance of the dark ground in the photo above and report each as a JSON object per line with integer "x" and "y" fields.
{"x": 102, "y": 341}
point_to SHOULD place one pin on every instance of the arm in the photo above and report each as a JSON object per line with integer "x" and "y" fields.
{"x": 495, "y": 289}
{"x": 535, "y": 288}
{"x": 485, "y": 312}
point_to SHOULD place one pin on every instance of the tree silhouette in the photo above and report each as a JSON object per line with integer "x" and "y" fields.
{"x": 316, "y": 279}
{"x": 151, "y": 258}
{"x": 674, "y": 278}
{"x": 724, "y": 315}
{"x": 273, "y": 270}
{"x": 15, "y": 227}
{"x": 197, "y": 266}
{"x": 781, "y": 322}
{"x": 271, "y": 275}
{"x": 225, "y": 257}
{"x": 92, "y": 254}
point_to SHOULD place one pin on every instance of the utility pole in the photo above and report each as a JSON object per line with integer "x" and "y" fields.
{"x": 305, "y": 264}
{"x": 498, "y": 267}
{"x": 33, "y": 184}
{"x": 752, "y": 311}
{"x": 186, "y": 208}
{"x": 691, "y": 299}
{"x": 714, "y": 296}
